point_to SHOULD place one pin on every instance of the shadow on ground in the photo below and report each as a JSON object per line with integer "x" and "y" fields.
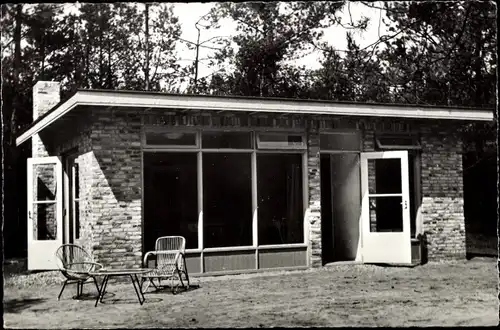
{"x": 17, "y": 305}
{"x": 165, "y": 289}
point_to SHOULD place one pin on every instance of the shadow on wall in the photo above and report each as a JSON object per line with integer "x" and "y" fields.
{"x": 480, "y": 203}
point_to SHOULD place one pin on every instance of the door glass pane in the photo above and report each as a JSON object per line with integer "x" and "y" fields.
{"x": 280, "y": 204}
{"x": 44, "y": 182}
{"x": 227, "y": 200}
{"x": 227, "y": 140}
{"x": 170, "y": 197}
{"x": 386, "y": 214}
{"x": 44, "y": 221}
{"x": 384, "y": 176}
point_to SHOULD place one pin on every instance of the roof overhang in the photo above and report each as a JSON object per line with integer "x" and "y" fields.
{"x": 106, "y": 99}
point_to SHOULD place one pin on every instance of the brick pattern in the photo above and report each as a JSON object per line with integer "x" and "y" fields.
{"x": 442, "y": 191}
{"x": 46, "y": 94}
{"x": 314, "y": 205}
{"x": 115, "y": 189}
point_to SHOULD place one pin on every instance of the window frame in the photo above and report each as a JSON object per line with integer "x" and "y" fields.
{"x": 265, "y": 145}
{"x": 161, "y": 129}
{"x": 415, "y": 145}
{"x": 254, "y": 151}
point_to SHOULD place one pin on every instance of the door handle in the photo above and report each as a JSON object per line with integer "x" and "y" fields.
{"x": 29, "y": 214}
{"x": 406, "y": 205}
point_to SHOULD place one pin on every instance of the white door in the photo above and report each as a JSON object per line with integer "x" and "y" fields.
{"x": 385, "y": 220}
{"x": 45, "y": 230}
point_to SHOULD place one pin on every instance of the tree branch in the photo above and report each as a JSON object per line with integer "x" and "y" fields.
{"x": 458, "y": 38}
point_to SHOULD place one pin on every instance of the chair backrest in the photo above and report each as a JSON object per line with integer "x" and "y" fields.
{"x": 70, "y": 253}
{"x": 171, "y": 243}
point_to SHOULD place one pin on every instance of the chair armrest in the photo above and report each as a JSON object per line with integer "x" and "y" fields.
{"x": 160, "y": 252}
{"x": 148, "y": 254}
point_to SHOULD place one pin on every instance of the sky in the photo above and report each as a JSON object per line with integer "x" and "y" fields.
{"x": 189, "y": 14}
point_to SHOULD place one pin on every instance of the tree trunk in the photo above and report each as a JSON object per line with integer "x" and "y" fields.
{"x": 101, "y": 64}
{"x": 196, "y": 61}
{"x": 146, "y": 70}
{"x": 17, "y": 68}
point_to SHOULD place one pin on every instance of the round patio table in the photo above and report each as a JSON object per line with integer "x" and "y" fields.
{"x": 110, "y": 272}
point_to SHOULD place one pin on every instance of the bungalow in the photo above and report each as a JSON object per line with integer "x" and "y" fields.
{"x": 251, "y": 183}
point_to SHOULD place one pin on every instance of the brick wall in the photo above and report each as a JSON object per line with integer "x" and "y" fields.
{"x": 115, "y": 209}
{"x": 442, "y": 190}
{"x": 314, "y": 205}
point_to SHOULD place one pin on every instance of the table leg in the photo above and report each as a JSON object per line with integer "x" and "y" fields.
{"x": 137, "y": 288}
{"x": 102, "y": 290}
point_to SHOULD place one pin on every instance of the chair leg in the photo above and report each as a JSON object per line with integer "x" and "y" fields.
{"x": 172, "y": 285}
{"x": 78, "y": 289}
{"x": 62, "y": 289}
{"x": 81, "y": 288}
{"x": 179, "y": 274}
{"x": 147, "y": 284}
{"x": 186, "y": 273}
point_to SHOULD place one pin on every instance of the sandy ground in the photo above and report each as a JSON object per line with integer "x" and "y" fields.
{"x": 461, "y": 293}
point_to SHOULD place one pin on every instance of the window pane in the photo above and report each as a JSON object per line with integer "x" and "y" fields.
{"x": 44, "y": 182}
{"x": 44, "y": 221}
{"x": 228, "y": 140}
{"x": 170, "y": 197}
{"x": 340, "y": 141}
{"x": 384, "y": 176}
{"x": 227, "y": 200}
{"x": 386, "y": 214}
{"x": 171, "y": 138}
{"x": 279, "y": 189}
{"x": 280, "y": 140}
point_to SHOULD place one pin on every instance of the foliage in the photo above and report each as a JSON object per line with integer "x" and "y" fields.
{"x": 445, "y": 52}
{"x": 269, "y": 35}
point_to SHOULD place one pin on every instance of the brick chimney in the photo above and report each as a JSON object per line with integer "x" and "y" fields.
{"x": 46, "y": 94}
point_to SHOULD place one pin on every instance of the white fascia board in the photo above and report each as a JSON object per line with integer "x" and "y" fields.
{"x": 283, "y": 106}
{"x": 145, "y": 100}
{"x": 50, "y": 118}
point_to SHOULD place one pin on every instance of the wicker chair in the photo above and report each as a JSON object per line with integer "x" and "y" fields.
{"x": 75, "y": 264}
{"x": 170, "y": 263}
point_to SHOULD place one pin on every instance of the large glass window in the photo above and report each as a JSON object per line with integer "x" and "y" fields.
{"x": 170, "y": 197}
{"x": 280, "y": 199}
{"x": 172, "y": 181}
{"x": 227, "y": 200}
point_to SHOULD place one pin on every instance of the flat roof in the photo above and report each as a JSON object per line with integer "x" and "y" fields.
{"x": 148, "y": 99}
